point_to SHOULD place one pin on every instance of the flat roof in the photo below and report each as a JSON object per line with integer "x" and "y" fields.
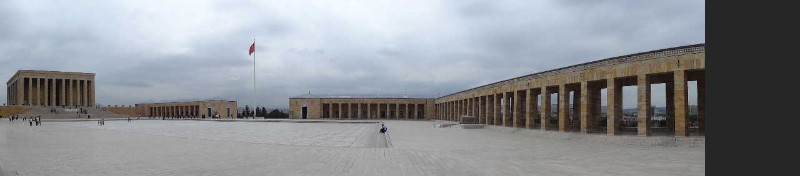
{"x": 184, "y": 101}
{"x": 373, "y": 96}
{"x": 47, "y": 71}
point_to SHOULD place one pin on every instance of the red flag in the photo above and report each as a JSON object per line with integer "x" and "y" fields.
{"x": 252, "y": 48}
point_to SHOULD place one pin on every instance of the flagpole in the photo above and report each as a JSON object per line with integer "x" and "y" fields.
{"x": 254, "y": 79}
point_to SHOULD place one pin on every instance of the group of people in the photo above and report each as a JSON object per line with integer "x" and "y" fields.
{"x": 31, "y": 121}
{"x": 101, "y": 122}
{"x": 180, "y": 117}
{"x": 53, "y": 111}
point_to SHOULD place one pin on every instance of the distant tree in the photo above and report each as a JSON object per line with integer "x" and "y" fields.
{"x": 246, "y": 112}
{"x": 277, "y": 114}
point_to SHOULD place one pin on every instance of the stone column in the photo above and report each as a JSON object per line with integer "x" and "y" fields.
{"x": 387, "y": 111}
{"x": 545, "y": 117}
{"x": 516, "y": 110}
{"x": 79, "y": 93}
{"x": 643, "y": 117}
{"x": 84, "y": 94}
{"x": 497, "y": 114}
{"x": 563, "y": 107}
{"x": 584, "y": 109}
{"x": 51, "y": 96}
{"x": 504, "y": 109}
{"x": 46, "y": 92}
{"x": 614, "y": 104}
{"x": 358, "y": 111}
{"x": 19, "y": 91}
{"x": 681, "y": 104}
{"x": 61, "y": 97}
{"x": 30, "y": 92}
{"x": 35, "y": 89}
{"x": 52, "y": 92}
{"x": 67, "y": 92}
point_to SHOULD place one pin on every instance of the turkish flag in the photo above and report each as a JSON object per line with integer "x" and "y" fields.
{"x": 252, "y": 48}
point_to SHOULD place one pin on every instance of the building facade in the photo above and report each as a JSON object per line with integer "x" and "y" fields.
{"x": 51, "y": 88}
{"x": 198, "y": 109}
{"x": 517, "y": 102}
{"x": 379, "y": 106}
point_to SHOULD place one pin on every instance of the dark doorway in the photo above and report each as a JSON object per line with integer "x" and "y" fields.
{"x": 209, "y": 112}
{"x": 305, "y": 112}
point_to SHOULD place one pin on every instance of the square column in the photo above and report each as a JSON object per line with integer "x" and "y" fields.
{"x": 53, "y": 94}
{"x": 681, "y": 104}
{"x": 20, "y": 91}
{"x": 584, "y": 109}
{"x": 643, "y": 117}
{"x": 62, "y": 101}
{"x": 340, "y": 113}
{"x": 46, "y": 93}
{"x": 36, "y": 89}
{"x": 545, "y": 117}
{"x": 84, "y": 94}
{"x": 614, "y": 103}
{"x": 30, "y": 92}
{"x": 517, "y": 109}
{"x": 358, "y": 111}
{"x": 563, "y": 107}
{"x": 68, "y": 92}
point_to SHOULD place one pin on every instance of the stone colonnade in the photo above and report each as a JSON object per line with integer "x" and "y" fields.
{"x": 361, "y": 107}
{"x": 525, "y": 102}
{"x": 195, "y": 109}
{"x": 51, "y": 88}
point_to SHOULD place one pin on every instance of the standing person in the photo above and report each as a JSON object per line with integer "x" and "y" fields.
{"x": 30, "y": 122}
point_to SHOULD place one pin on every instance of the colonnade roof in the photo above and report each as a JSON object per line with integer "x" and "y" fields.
{"x": 48, "y": 71}
{"x": 613, "y": 60}
{"x": 183, "y": 101}
{"x": 365, "y": 96}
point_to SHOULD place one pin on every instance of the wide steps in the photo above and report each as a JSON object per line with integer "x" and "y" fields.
{"x": 69, "y": 113}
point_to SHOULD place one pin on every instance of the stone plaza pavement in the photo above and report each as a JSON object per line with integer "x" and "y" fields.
{"x": 155, "y": 147}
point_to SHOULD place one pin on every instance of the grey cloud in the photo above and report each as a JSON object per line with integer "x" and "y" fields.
{"x": 154, "y": 52}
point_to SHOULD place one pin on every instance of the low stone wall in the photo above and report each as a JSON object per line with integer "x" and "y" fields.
{"x": 6, "y": 111}
{"x": 129, "y": 111}
{"x": 665, "y": 141}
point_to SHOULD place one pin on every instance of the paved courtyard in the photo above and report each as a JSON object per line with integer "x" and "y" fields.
{"x": 155, "y": 147}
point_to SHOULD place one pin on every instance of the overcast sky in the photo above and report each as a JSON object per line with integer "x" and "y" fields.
{"x": 156, "y": 50}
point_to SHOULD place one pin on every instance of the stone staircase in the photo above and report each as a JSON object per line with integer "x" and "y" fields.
{"x": 70, "y": 113}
